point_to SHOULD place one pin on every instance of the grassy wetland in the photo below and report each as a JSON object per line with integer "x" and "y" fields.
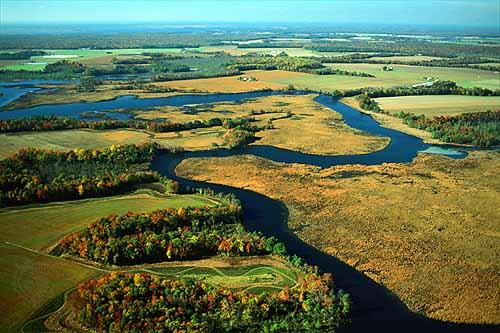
{"x": 426, "y": 217}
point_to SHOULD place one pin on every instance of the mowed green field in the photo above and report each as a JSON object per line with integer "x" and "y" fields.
{"x": 28, "y": 277}
{"x": 29, "y": 280}
{"x": 439, "y": 105}
{"x": 38, "y": 226}
{"x": 402, "y": 75}
{"x": 70, "y": 139}
{"x": 253, "y": 278}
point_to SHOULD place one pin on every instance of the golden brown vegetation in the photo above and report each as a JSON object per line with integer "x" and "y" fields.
{"x": 427, "y": 230}
{"x": 299, "y": 124}
{"x": 393, "y": 122}
{"x": 317, "y": 130}
{"x": 311, "y": 127}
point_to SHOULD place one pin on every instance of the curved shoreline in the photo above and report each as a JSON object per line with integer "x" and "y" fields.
{"x": 375, "y": 308}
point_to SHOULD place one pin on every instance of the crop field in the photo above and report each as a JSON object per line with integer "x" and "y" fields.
{"x": 439, "y": 105}
{"x": 29, "y": 277}
{"x": 408, "y": 75}
{"x": 402, "y": 75}
{"x": 33, "y": 281}
{"x": 70, "y": 139}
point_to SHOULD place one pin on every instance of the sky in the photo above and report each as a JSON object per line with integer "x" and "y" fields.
{"x": 411, "y": 12}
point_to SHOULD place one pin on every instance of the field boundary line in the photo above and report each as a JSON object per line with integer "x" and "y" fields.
{"x": 76, "y": 202}
{"x": 65, "y": 297}
{"x": 57, "y": 257}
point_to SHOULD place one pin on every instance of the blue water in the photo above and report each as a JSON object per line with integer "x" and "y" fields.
{"x": 406, "y": 148}
{"x": 15, "y": 89}
{"x": 129, "y": 103}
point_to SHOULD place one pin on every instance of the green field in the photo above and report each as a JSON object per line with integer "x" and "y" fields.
{"x": 70, "y": 139}
{"x": 402, "y": 75}
{"x": 29, "y": 277}
{"x": 252, "y": 274}
{"x": 196, "y": 139}
{"x": 248, "y": 278}
{"x": 29, "y": 280}
{"x": 24, "y": 226}
{"x": 439, "y": 105}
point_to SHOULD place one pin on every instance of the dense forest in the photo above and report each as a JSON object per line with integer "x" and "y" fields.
{"x": 35, "y": 175}
{"x": 168, "y": 235}
{"x": 127, "y": 302}
{"x": 141, "y": 302}
{"x": 103, "y": 41}
{"x": 481, "y": 129}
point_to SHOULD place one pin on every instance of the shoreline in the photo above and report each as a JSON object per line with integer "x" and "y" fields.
{"x": 395, "y": 123}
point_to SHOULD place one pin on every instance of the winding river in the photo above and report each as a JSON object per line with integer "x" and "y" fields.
{"x": 375, "y": 308}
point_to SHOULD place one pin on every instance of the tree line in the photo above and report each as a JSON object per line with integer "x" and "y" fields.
{"x": 285, "y": 63}
{"x": 444, "y": 50}
{"x": 21, "y": 55}
{"x": 481, "y": 129}
{"x": 36, "y": 175}
{"x": 167, "y": 235}
{"x": 142, "y": 302}
{"x": 53, "y": 123}
{"x": 437, "y": 88}
{"x": 456, "y": 62}
{"x": 63, "y": 69}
